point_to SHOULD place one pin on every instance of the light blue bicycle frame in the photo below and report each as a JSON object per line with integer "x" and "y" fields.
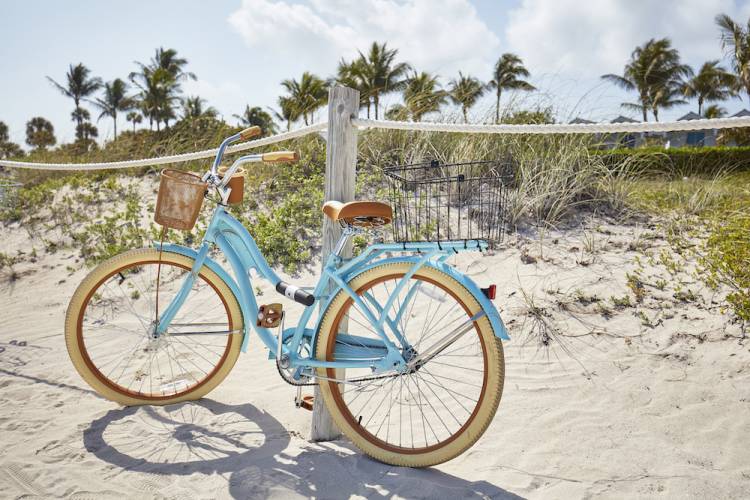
{"x": 243, "y": 254}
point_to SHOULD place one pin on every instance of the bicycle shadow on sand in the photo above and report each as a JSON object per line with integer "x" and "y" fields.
{"x": 253, "y": 450}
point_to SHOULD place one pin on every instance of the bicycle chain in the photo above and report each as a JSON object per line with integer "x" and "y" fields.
{"x": 309, "y": 384}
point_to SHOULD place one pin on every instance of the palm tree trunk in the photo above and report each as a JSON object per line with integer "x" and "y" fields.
{"x": 377, "y": 104}
{"x": 700, "y": 105}
{"x": 78, "y": 116}
{"x": 463, "y": 108}
{"x": 114, "y": 119}
{"x": 368, "y": 108}
{"x": 497, "y": 107}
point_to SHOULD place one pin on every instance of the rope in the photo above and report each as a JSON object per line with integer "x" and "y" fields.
{"x": 562, "y": 128}
{"x": 208, "y": 153}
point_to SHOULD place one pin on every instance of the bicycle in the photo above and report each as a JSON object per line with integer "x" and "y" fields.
{"x": 406, "y": 350}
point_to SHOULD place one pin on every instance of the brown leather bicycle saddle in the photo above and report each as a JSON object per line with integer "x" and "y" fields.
{"x": 359, "y": 213}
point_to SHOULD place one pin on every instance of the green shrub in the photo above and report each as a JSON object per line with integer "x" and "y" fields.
{"x": 680, "y": 161}
{"x": 727, "y": 259}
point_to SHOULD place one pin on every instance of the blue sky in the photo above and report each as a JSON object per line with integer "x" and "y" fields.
{"x": 241, "y": 49}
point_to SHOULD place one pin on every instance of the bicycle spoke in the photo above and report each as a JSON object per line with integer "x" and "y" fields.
{"x": 420, "y": 408}
{"x": 441, "y": 386}
{"x": 433, "y": 362}
{"x": 172, "y": 364}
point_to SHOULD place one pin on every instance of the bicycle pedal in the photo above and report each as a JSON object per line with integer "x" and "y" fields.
{"x": 269, "y": 315}
{"x": 305, "y": 402}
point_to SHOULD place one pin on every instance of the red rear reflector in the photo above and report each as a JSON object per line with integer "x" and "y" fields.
{"x": 490, "y": 291}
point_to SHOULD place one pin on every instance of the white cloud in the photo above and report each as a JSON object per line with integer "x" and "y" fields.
{"x": 589, "y": 38}
{"x": 441, "y": 36}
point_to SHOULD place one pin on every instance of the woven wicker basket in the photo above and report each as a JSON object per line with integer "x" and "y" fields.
{"x": 180, "y": 199}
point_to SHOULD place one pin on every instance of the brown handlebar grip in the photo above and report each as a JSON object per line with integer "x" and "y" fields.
{"x": 250, "y": 132}
{"x": 280, "y": 156}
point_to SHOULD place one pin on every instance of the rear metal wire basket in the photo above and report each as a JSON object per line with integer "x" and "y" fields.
{"x": 447, "y": 202}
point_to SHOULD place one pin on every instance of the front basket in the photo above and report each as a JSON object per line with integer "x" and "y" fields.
{"x": 180, "y": 199}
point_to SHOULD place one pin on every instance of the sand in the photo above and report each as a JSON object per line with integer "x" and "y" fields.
{"x": 651, "y": 401}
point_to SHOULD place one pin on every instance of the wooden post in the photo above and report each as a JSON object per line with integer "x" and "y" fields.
{"x": 341, "y": 161}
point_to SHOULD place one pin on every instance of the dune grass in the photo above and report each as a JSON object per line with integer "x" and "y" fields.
{"x": 552, "y": 179}
{"x": 716, "y": 208}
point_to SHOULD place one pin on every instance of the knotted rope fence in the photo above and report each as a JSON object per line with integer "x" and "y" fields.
{"x": 568, "y": 128}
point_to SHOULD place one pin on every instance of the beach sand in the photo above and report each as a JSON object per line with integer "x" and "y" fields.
{"x": 651, "y": 401}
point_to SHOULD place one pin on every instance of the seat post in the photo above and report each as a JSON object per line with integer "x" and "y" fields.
{"x": 346, "y": 234}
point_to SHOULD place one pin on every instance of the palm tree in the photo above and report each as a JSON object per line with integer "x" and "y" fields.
{"x": 8, "y": 149}
{"x": 656, "y": 73}
{"x": 167, "y": 60}
{"x": 135, "y": 117}
{"x": 735, "y": 40}
{"x": 508, "y": 74}
{"x": 114, "y": 100}
{"x": 256, "y": 116}
{"x": 40, "y": 133}
{"x": 78, "y": 85}
{"x": 4, "y": 135}
{"x": 423, "y": 95}
{"x": 465, "y": 91}
{"x": 307, "y": 94}
{"x": 157, "y": 96}
{"x": 354, "y": 75}
{"x": 159, "y": 83}
{"x": 193, "y": 107}
{"x": 665, "y": 97}
{"x": 712, "y": 83}
{"x": 86, "y": 132}
{"x": 289, "y": 112}
{"x": 380, "y": 73}
{"x": 715, "y": 111}
{"x": 80, "y": 115}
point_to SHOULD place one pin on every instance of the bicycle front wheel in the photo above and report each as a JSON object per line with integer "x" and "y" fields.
{"x": 110, "y": 321}
{"x": 427, "y": 415}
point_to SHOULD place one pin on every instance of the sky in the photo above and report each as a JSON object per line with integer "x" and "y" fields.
{"x": 241, "y": 50}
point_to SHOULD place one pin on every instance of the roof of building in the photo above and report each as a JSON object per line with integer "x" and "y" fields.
{"x": 579, "y": 121}
{"x": 741, "y": 113}
{"x": 689, "y": 116}
{"x": 623, "y": 119}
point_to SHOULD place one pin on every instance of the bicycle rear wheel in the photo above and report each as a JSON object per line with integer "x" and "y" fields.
{"x": 111, "y": 316}
{"x": 430, "y": 414}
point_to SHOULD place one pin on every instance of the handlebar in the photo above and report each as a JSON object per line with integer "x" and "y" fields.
{"x": 272, "y": 157}
{"x": 280, "y": 156}
{"x": 250, "y": 132}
